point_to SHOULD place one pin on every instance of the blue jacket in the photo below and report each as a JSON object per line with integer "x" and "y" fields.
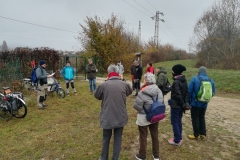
{"x": 193, "y": 88}
{"x": 68, "y": 73}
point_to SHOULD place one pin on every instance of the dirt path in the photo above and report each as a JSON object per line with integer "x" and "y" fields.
{"x": 221, "y": 111}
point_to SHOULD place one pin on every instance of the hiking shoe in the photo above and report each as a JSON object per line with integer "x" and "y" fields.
{"x": 193, "y": 137}
{"x": 138, "y": 157}
{"x": 203, "y": 137}
{"x": 44, "y": 105}
{"x": 171, "y": 141}
{"x": 155, "y": 157}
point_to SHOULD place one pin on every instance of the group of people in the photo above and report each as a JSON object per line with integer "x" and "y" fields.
{"x": 113, "y": 115}
{"x": 113, "y": 94}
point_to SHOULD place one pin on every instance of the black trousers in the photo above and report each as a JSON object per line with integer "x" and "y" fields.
{"x": 198, "y": 121}
{"x": 107, "y": 134}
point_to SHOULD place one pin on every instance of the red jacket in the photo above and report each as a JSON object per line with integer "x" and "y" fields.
{"x": 150, "y": 69}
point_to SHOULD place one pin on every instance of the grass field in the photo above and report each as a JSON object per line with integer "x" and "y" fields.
{"x": 69, "y": 129}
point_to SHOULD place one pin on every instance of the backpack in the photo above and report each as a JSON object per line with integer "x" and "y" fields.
{"x": 205, "y": 91}
{"x": 34, "y": 76}
{"x": 156, "y": 111}
{"x": 166, "y": 88}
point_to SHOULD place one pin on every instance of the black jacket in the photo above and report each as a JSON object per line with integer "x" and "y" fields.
{"x": 91, "y": 71}
{"x": 137, "y": 72}
{"x": 132, "y": 69}
{"x": 179, "y": 92}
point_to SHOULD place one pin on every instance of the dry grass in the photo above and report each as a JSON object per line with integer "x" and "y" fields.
{"x": 69, "y": 129}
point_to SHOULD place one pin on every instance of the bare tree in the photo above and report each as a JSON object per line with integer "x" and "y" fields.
{"x": 217, "y": 35}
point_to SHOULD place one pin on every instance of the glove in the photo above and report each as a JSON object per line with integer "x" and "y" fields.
{"x": 187, "y": 106}
{"x": 169, "y": 102}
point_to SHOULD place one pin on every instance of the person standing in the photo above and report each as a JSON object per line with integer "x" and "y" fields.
{"x": 120, "y": 69}
{"x": 91, "y": 70}
{"x": 198, "y": 109}
{"x": 132, "y": 69}
{"x": 42, "y": 76}
{"x": 68, "y": 74}
{"x": 150, "y": 68}
{"x": 113, "y": 116}
{"x": 161, "y": 77}
{"x": 137, "y": 76}
{"x": 178, "y": 103}
{"x": 148, "y": 90}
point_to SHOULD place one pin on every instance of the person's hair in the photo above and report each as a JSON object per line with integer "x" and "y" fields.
{"x": 112, "y": 68}
{"x": 89, "y": 59}
{"x": 149, "y": 78}
{"x": 149, "y": 63}
{"x": 68, "y": 62}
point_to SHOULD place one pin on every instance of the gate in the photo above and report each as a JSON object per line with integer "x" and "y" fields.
{"x": 79, "y": 64}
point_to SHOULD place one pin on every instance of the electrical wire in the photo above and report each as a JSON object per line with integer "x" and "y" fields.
{"x": 143, "y": 7}
{"x": 37, "y": 24}
{"x": 136, "y": 8}
{"x": 151, "y": 5}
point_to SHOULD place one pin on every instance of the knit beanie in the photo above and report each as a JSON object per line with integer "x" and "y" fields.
{"x": 202, "y": 69}
{"x": 160, "y": 67}
{"x": 178, "y": 69}
{"x": 42, "y": 62}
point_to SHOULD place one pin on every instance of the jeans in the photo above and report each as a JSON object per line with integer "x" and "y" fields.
{"x": 92, "y": 84}
{"x": 107, "y": 133}
{"x": 176, "y": 121}
{"x": 143, "y": 132}
{"x": 198, "y": 121}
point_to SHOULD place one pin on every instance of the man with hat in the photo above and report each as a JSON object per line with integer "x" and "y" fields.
{"x": 198, "y": 109}
{"x": 178, "y": 103}
{"x": 42, "y": 76}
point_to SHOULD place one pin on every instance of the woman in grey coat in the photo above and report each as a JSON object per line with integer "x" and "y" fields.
{"x": 148, "y": 90}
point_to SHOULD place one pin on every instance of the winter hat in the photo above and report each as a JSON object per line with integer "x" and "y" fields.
{"x": 202, "y": 69}
{"x": 42, "y": 62}
{"x": 160, "y": 67}
{"x": 178, "y": 69}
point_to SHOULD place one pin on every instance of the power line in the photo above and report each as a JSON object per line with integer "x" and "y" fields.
{"x": 136, "y": 8}
{"x": 37, "y": 24}
{"x": 142, "y": 7}
{"x": 151, "y": 5}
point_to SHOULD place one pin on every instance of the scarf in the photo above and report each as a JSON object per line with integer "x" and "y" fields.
{"x": 113, "y": 74}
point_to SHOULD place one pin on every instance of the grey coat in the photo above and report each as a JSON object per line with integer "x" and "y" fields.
{"x": 144, "y": 97}
{"x": 113, "y": 94}
{"x": 41, "y": 75}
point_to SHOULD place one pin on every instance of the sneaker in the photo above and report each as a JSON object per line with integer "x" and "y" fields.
{"x": 203, "y": 137}
{"x": 155, "y": 157}
{"x": 75, "y": 93}
{"x": 44, "y": 105}
{"x": 40, "y": 106}
{"x": 91, "y": 93}
{"x": 171, "y": 141}
{"x": 193, "y": 137}
{"x": 138, "y": 157}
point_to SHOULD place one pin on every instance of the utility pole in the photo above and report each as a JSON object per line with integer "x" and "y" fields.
{"x": 156, "y": 33}
{"x": 139, "y": 33}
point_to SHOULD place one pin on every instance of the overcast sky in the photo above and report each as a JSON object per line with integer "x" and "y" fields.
{"x": 180, "y": 17}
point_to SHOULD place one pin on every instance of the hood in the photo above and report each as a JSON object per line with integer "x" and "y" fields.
{"x": 151, "y": 90}
{"x": 181, "y": 78}
{"x": 163, "y": 70}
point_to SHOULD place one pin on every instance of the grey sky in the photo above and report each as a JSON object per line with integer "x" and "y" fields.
{"x": 180, "y": 17}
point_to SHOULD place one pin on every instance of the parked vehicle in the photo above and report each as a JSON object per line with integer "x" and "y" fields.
{"x": 12, "y": 104}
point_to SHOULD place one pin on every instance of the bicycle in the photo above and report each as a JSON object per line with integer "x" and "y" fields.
{"x": 12, "y": 104}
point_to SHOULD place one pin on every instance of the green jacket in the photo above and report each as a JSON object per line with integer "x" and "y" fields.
{"x": 161, "y": 79}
